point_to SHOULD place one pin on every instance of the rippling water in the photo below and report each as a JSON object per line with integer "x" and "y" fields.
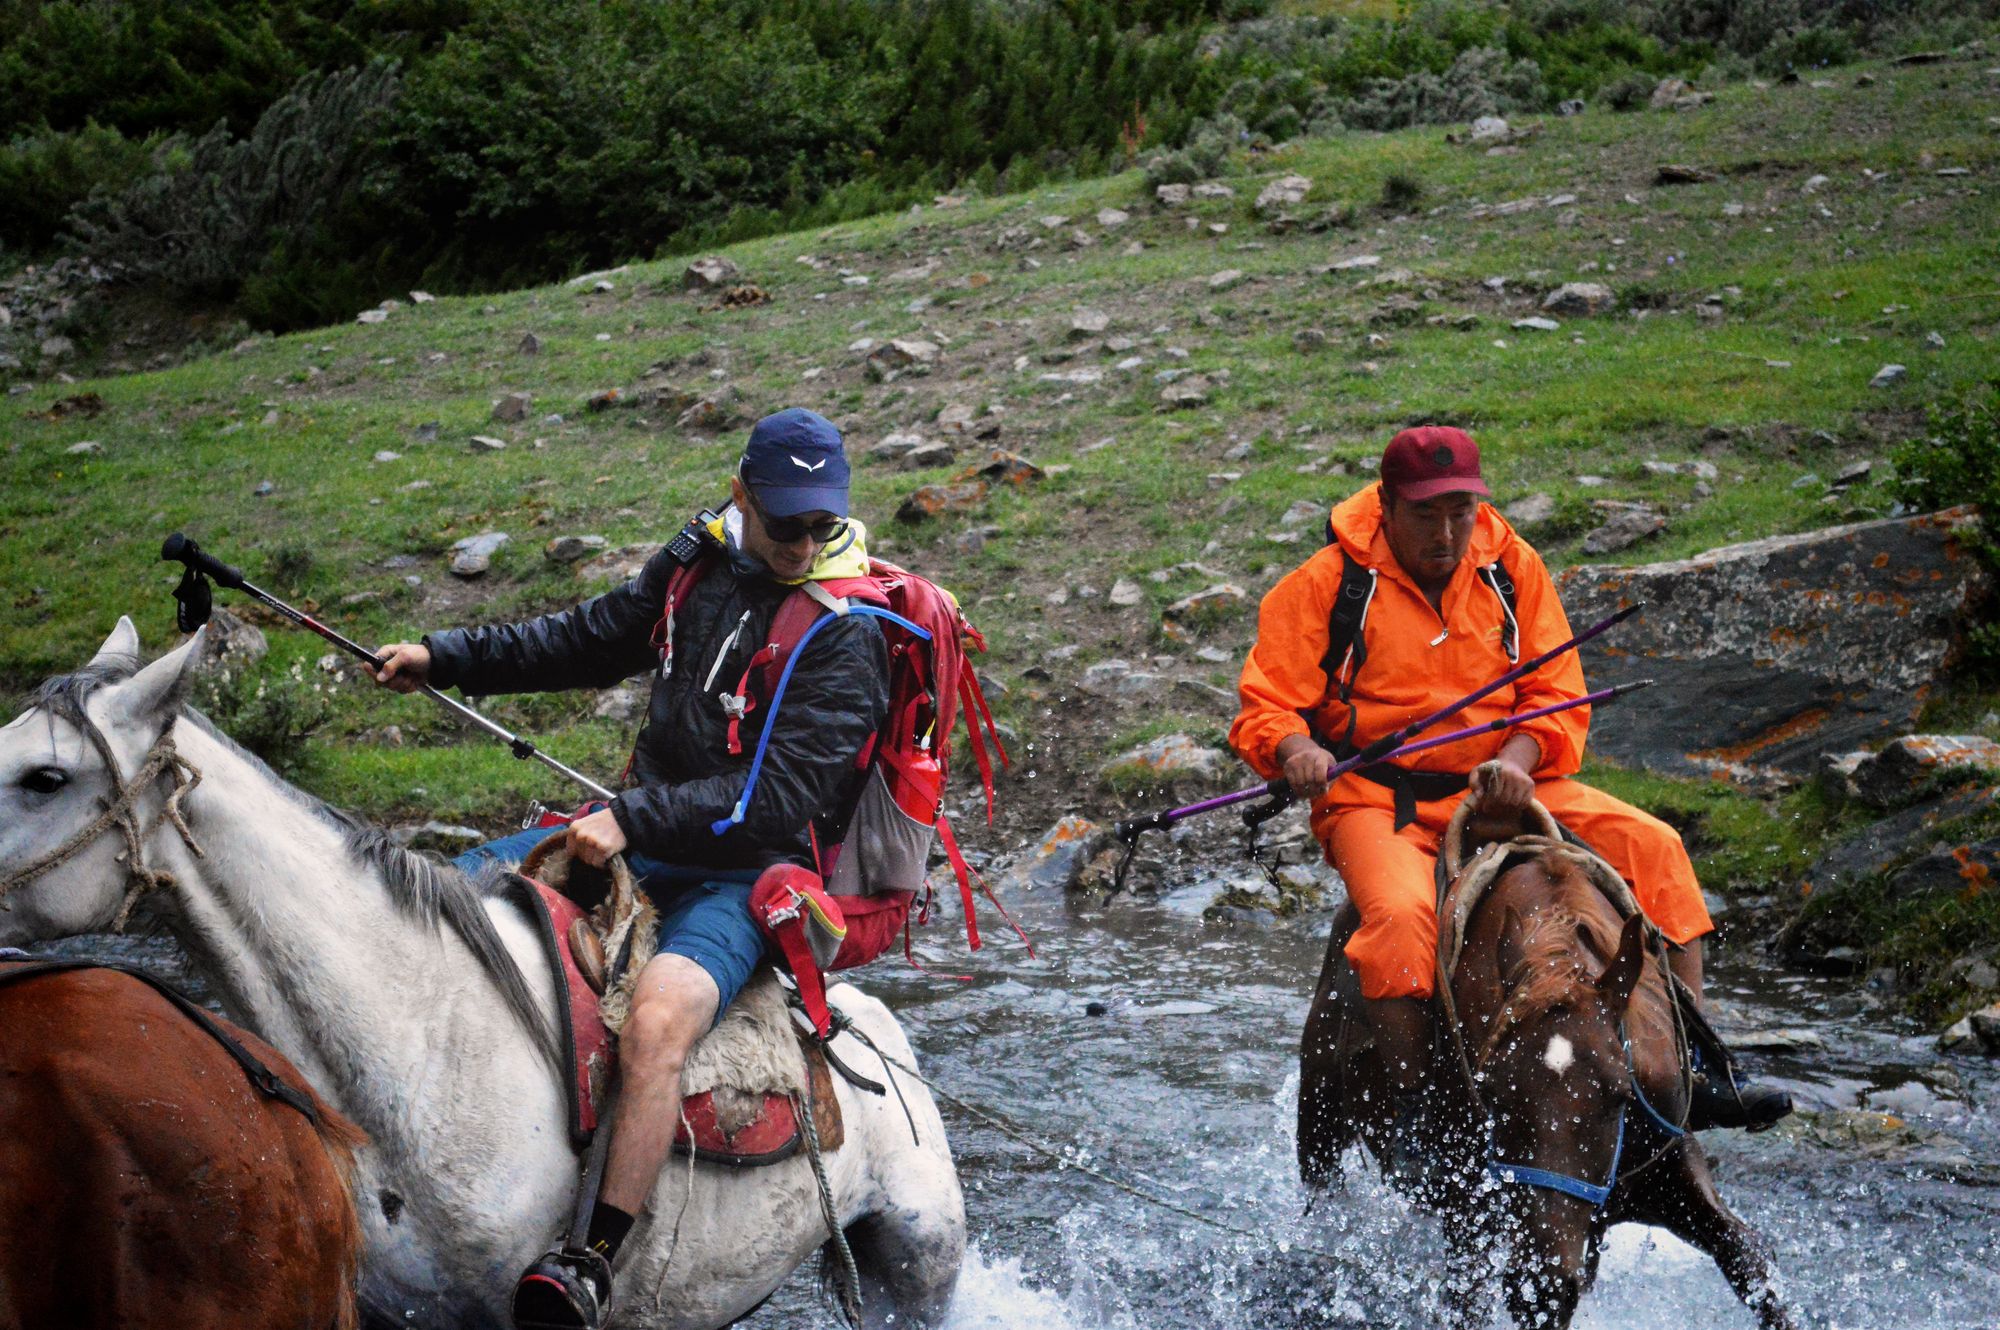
{"x": 1159, "y": 1048}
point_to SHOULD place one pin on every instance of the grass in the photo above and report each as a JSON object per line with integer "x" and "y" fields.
{"x": 1834, "y": 296}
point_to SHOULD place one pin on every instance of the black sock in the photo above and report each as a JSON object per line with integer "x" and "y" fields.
{"x": 608, "y": 1227}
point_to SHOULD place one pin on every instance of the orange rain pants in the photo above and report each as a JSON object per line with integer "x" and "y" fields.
{"x": 1391, "y": 879}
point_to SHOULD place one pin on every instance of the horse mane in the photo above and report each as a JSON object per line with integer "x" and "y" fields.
{"x": 422, "y": 886}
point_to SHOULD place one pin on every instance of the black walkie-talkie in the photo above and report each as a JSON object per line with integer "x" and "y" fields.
{"x": 694, "y": 539}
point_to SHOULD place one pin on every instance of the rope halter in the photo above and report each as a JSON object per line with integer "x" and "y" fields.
{"x": 162, "y": 759}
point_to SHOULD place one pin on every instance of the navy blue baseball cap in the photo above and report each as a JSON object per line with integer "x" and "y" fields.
{"x": 794, "y": 463}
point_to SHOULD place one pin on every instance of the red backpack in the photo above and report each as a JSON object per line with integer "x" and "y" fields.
{"x": 876, "y": 870}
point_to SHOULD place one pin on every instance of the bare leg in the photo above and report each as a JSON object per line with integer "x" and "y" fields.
{"x": 675, "y": 1005}
{"x": 1402, "y": 1040}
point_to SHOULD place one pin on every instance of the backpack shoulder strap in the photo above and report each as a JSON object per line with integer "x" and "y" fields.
{"x": 1346, "y": 644}
{"x": 1495, "y": 575}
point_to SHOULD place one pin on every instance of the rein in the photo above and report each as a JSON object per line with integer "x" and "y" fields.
{"x": 162, "y": 759}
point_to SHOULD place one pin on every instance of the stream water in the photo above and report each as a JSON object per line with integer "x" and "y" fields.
{"x": 1159, "y": 1049}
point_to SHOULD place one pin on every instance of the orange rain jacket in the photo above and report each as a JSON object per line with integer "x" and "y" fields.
{"x": 1418, "y": 660}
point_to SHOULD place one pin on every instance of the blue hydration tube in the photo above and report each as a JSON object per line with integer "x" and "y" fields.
{"x": 722, "y": 825}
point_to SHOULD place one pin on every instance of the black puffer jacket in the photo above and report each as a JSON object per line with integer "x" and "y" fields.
{"x": 684, "y": 777}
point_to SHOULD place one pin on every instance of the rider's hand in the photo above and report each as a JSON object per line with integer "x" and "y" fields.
{"x": 596, "y": 837}
{"x": 1308, "y": 767}
{"x": 1502, "y": 788}
{"x": 406, "y": 666}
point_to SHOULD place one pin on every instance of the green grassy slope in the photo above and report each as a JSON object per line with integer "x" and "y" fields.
{"x": 1812, "y": 292}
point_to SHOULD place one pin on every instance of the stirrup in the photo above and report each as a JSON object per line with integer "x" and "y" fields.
{"x": 569, "y": 1288}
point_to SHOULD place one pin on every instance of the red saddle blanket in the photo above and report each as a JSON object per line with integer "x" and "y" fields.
{"x": 589, "y": 1053}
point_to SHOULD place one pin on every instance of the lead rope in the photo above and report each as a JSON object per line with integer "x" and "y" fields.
{"x": 847, "y": 1284}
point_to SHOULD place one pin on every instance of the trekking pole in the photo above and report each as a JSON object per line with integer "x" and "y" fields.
{"x": 196, "y": 601}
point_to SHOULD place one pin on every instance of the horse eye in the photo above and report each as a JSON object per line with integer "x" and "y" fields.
{"x": 45, "y": 780}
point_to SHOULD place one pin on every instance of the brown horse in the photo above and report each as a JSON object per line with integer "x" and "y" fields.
{"x": 1559, "y": 1087}
{"x": 146, "y": 1182}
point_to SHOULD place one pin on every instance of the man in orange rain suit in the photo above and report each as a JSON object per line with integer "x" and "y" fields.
{"x": 1437, "y": 628}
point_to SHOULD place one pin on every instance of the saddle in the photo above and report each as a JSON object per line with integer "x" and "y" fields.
{"x": 746, "y": 1082}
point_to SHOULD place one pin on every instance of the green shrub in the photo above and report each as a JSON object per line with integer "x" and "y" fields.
{"x": 215, "y": 208}
{"x": 45, "y": 173}
{"x": 1815, "y": 47}
{"x": 1629, "y": 93}
{"x": 271, "y": 710}
{"x": 1958, "y": 461}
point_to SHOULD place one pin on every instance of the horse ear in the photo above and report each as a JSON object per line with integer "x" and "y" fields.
{"x": 1621, "y": 976}
{"x": 123, "y": 644}
{"x": 156, "y": 692}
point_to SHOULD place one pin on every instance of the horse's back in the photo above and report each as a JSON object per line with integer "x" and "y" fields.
{"x": 144, "y": 1182}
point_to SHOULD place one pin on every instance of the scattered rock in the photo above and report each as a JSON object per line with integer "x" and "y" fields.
{"x": 1887, "y": 375}
{"x": 1213, "y": 189}
{"x": 895, "y": 447}
{"x": 1814, "y": 184}
{"x": 263, "y": 489}
{"x": 604, "y": 401}
{"x": 372, "y": 316}
{"x": 902, "y": 354}
{"x": 486, "y": 443}
{"x": 1087, "y": 323}
{"x": 936, "y": 500}
{"x": 1852, "y": 474}
{"x": 1355, "y": 263}
{"x": 708, "y": 274}
{"x": 512, "y": 408}
{"x": 1126, "y": 592}
{"x": 87, "y": 448}
{"x": 1751, "y": 623}
{"x": 619, "y": 565}
{"x": 1700, "y": 470}
{"x": 1933, "y": 341}
{"x": 1529, "y": 510}
{"x": 1003, "y": 468}
{"x": 1535, "y": 325}
{"x": 1490, "y": 129}
{"x": 1580, "y": 298}
{"x": 569, "y": 549}
{"x": 625, "y": 702}
{"x": 717, "y": 411}
{"x": 1901, "y": 769}
{"x": 472, "y": 556}
{"x": 60, "y": 348}
{"x": 234, "y": 641}
{"x": 1112, "y": 218}
{"x": 1166, "y": 761}
{"x": 1191, "y": 615}
{"x": 1225, "y": 279}
{"x": 1628, "y": 524}
{"x": 1284, "y": 192}
{"x": 1056, "y": 859}
{"x": 1172, "y": 196}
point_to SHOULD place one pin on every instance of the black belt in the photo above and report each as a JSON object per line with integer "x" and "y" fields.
{"x": 1412, "y": 787}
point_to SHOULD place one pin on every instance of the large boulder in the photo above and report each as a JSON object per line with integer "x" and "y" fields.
{"x": 1770, "y": 653}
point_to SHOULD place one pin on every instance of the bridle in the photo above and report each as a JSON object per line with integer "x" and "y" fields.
{"x": 162, "y": 759}
{"x": 1593, "y": 1194}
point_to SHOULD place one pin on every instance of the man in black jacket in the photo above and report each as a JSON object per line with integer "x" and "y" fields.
{"x": 787, "y": 525}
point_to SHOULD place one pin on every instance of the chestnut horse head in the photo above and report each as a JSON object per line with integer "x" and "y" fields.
{"x": 1555, "y": 1071}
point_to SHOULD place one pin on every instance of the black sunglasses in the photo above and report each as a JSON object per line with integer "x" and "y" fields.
{"x": 787, "y": 530}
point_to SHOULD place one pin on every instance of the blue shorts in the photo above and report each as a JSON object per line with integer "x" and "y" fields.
{"x": 704, "y": 912}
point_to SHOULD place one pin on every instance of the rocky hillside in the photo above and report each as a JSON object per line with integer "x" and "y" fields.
{"x": 1109, "y": 414}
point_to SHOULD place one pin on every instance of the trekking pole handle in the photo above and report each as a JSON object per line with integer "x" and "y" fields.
{"x": 177, "y": 548}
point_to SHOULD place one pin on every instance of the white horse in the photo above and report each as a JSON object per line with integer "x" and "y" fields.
{"x": 419, "y": 1004}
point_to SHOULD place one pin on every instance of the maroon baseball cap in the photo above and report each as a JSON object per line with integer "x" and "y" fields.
{"x": 1430, "y": 460}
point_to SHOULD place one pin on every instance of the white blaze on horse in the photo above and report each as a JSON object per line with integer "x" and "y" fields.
{"x": 420, "y": 1004}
